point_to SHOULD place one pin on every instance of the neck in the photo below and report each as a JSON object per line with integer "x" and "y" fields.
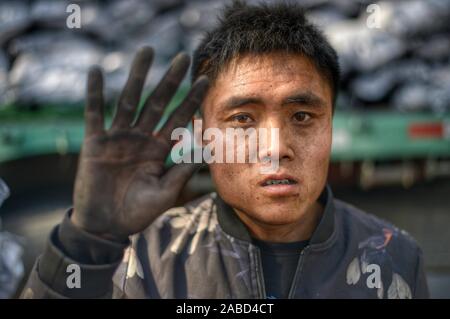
{"x": 298, "y": 231}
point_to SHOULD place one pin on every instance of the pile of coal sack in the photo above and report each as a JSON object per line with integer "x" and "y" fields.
{"x": 393, "y": 54}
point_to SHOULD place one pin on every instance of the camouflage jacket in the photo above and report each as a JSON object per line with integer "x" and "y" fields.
{"x": 203, "y": 250}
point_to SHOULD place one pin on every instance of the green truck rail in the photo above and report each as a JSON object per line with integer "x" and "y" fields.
{"x": 357, "y": 135}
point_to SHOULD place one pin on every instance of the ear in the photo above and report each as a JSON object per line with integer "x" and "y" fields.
{"x": 197, "y": 129}
{"x": 196, "y": 117}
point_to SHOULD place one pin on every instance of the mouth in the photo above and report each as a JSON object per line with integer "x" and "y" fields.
{"x": 284, "y": 181}
{"x": 280, "y": 185}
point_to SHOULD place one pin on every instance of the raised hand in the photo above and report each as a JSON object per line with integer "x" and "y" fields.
{"x": 121, "y": 185}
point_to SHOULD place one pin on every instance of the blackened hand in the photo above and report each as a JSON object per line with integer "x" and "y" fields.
{"x": 121, "y": 185}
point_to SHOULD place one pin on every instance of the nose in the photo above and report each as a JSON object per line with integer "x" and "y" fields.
{"x": 275, "y": 141}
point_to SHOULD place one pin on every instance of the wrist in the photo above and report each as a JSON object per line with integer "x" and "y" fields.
{"x": 106, "y": 236}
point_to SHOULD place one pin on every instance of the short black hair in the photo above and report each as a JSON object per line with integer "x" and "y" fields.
{"x": 264, "y": 28}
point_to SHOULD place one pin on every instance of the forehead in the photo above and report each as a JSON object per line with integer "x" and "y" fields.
{"x": 269, "y": 76}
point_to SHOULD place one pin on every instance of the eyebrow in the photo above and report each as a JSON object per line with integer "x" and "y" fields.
{"x": 238, "y": 101}
{"x": 306, "y": 98}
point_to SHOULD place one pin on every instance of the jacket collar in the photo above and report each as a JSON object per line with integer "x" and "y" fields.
{"x": 232, "y": 225}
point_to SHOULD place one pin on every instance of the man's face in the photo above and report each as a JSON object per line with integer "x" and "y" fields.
{"x": 273, "y": 91}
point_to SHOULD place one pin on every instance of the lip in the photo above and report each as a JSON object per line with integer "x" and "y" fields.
{"x": 281, "y": 189}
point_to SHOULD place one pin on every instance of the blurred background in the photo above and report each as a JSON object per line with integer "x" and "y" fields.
{"x": 391, "y": 144}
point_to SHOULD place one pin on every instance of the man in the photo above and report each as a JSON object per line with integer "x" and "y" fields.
{"x": 278, "y": 235}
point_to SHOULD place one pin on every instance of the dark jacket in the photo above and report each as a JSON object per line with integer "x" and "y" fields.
{"x": 203, "y": 250}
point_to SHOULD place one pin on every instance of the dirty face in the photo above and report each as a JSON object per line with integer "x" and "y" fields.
{"x": 283, "y": 91}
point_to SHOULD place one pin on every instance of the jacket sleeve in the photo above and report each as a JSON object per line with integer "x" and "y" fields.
{"x": 421, "y": 286}
{"x": 75, "y": 264}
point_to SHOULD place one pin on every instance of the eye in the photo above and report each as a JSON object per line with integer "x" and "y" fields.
{"x": 242, "y": 118}
{"x": 302, "y": 117}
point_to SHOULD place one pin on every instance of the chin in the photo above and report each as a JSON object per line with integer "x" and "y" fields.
{"x": 277, "y": 219}
{"x": 277, "y": 214}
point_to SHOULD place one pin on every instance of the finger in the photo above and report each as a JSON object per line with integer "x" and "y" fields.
{"x": 156, "y": 103}
{"x": 181, "y": 116}
{"x": 93, "y": 112}
{"x": 177, "y": 176}
{"x": 131, "y": 94}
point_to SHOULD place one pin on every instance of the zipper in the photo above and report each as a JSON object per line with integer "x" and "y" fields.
{"x": 297, "y": 273}
{"x": 259, "y": 272}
